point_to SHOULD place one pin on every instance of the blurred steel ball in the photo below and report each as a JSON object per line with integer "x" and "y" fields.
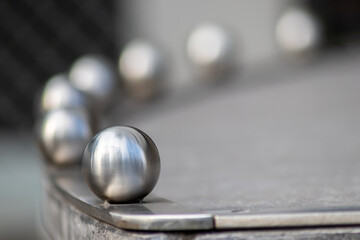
{"x": 94, "y": 76}
{"x": 63, "y": 135}
{"x": 121, "y": 164}
{"x": 140, "y": 66}
{"x": 298, "y": 31}
{"x": 210, "y": 48}
{"x": 58, "y": 93}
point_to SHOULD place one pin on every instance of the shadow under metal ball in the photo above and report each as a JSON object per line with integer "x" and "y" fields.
{"x": 63, "y": 135}
{"x": 96, "y": 78}
{"x": 58, "y": 93}
{"x": 121, "y": 164}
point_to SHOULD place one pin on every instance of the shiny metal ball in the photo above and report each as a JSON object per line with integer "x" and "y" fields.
{"x": 96, "y": 78}
{"x": 121, "y": 164}
{"x": 63, "y": 135}
{"x": 210, "y": 48}
{"x": 58, "y": 93}
{"x": 298, "y": 31}
{"x": 140, "y": 66}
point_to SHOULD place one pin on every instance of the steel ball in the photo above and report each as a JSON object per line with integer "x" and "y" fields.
{"x": 121, "y": 164}
{"x": 210, "y": 49}
{"x": 298, "y": 31}
{"x": 58, "y": 93}
{"x": 140, "y": 66}
{"x": 95, "y": 77}
{"x": 63, "y": 135}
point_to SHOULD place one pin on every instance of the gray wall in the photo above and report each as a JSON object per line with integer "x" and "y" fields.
{"x": 167, "y": 23}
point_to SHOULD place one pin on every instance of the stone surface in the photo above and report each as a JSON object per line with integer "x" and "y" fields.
{"x": 289, "y": 140}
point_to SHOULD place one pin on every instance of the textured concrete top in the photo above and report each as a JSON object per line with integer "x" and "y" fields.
{"x": 264, "y": 141}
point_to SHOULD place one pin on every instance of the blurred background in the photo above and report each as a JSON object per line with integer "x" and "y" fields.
{"x": 183, "y": 43}
{"x": 37, "y": 40}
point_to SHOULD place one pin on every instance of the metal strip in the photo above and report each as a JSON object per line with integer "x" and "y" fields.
{"x": 293, "y": 219}
{"x": 154, "y": 213}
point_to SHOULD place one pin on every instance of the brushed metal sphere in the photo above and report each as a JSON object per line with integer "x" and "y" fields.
{"x": 63, "y": 135}
{"x": 298, "y": 31}
{"x": 58, "y": 93}
{"x": 94, "y": 76}
{"x": 121, "y": 164}
{"x": 140, "y": 66}
{"x": 210, "y": 48}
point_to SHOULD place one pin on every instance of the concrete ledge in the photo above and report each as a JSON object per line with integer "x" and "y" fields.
{"x": 63, "y": 221}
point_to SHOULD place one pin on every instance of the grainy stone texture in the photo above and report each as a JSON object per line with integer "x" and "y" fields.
{"x": 285, "y": 140}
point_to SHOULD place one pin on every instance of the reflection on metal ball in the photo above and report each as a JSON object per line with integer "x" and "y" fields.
{"x": 58, "y": 93}
{"x": 140, "y": 68}
{"x": 298, "y": 31}
{"x": 121, "y": 164}
{"x": 210, "y": 48}
{"x": 63, "y": 135}
{"x": 94, "y": 76}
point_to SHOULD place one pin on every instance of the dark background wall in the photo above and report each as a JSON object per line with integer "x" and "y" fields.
{"x": 41, "y": 38}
